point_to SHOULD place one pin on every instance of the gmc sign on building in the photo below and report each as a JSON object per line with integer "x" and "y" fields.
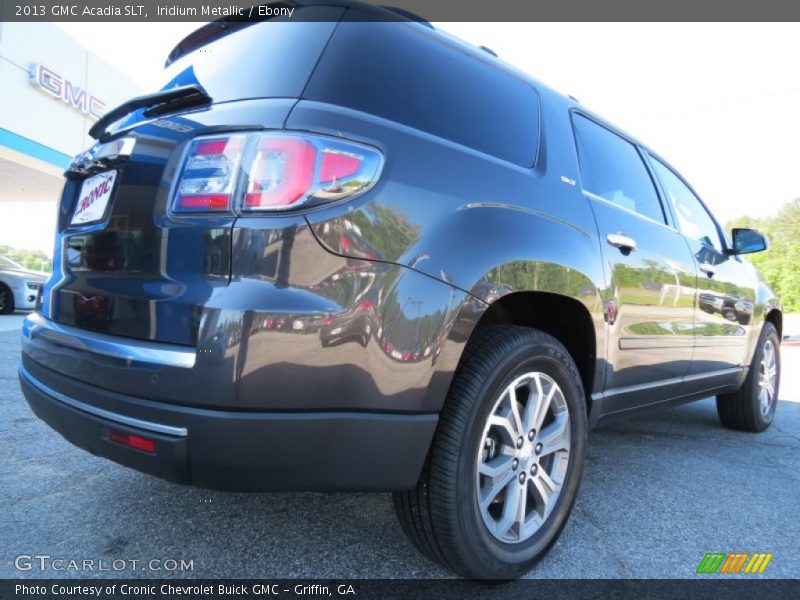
{"x": 61, "y": 88}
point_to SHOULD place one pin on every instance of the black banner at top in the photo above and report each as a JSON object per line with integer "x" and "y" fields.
{"x": 424, "y": 10}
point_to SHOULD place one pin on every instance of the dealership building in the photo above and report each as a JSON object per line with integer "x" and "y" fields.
{"x": 51, "y": 91}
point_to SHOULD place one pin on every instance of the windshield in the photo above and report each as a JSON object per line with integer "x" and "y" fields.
{"x": 6, "y": 264}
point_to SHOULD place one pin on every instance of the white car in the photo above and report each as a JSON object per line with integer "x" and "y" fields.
{"x": 18, "y": 286}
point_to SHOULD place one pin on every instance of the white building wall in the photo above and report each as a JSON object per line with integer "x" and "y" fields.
{"x": 40, "y": 133}
{"x": 29, "y": 112}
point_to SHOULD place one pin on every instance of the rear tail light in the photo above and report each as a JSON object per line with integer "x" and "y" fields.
{"x": 277, "y": 171}
{"x": 208, "y": 177}
{"x": 281, "y": 173}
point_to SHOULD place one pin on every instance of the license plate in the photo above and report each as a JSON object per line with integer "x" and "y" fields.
{"x": 95, "y": 194}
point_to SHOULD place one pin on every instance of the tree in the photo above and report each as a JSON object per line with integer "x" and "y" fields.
{"x": 780, "y": 265}
{"x": 34, "y": 260}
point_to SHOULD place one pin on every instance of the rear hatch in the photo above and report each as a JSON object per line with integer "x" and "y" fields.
{"x": 124, "y": 264}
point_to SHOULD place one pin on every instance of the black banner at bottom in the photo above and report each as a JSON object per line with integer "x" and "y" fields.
{"x": 440, "y": 589}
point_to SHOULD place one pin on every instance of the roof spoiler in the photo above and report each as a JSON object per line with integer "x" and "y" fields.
{"x": 218, "y": 29}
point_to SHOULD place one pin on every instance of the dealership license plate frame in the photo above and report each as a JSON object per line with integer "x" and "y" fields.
{"x": 97, "y": 210}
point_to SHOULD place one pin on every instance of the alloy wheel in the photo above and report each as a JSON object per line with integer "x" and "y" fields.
{"x": 523, "y": 457}
{"x": 767, "y": 377}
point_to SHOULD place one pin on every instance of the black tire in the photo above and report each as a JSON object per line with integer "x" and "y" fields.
{"x": 441, "y": 515}
{"x": 6, "y": 300}
{"x": 742, "y": 409}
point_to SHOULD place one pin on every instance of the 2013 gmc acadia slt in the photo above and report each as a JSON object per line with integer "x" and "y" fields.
{"x": 354, "y": 253}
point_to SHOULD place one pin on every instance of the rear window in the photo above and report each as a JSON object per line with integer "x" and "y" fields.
{"x": 271, "y": 59}
{"x": 406, "y": 73}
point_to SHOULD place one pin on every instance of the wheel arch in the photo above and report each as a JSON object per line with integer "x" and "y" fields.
{"x": 775, "y": 316}
{"x": 565, "y": 318}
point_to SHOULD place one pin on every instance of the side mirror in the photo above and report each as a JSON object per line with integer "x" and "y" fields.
{"x": 747, "y": 241}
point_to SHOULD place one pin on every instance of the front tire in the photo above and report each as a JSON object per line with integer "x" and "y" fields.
{"x": 504, "y": 467}
{"x": 6, "y": 300}
{"x": 752, "y": 408}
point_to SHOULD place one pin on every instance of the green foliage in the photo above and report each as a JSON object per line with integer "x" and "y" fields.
{"x": 33, "y": 260}
{"x": 386, "y": 229}
{"x": 780, "y": 265}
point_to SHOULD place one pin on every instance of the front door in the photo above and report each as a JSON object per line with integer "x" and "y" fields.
{"x": 726, "y": 288}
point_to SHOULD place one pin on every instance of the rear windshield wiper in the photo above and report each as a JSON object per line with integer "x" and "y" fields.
{"x": 158, "y": 103}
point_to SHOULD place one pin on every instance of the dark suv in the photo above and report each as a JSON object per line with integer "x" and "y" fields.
{"x": 350, "y": 252}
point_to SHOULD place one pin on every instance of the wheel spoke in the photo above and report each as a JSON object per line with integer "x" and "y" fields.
{"x": 514, "y": 504}
{"x": 542, "y": 406}
{"x": 496, "y": 466}
{"x": 555, "y": 436}
{"x": 511, "y": 392}
{"x": 546, "y": 490}
{"x": 506, "y": 427}
{"x": 763, "y": 398}
{"x": 522, "y": 509}
{"x": 534, "y": 398}
{"x": 490, "y": 492}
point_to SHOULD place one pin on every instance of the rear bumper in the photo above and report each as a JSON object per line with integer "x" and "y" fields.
{"x": 236, "y": 450}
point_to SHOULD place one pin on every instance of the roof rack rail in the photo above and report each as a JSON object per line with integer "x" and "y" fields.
{"x": 409, "y": 15}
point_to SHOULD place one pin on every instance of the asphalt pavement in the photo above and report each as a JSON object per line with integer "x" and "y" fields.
{"x": 659, "y": 492}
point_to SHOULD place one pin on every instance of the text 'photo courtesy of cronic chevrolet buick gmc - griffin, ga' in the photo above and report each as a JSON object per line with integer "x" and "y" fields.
{"x": 353, "y": 253}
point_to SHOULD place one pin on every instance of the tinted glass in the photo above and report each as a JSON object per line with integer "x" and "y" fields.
{"x": 6, "y": 264}
{"x": 272, "y": 59}
{"x": 693, "y": 218}
{"x": 408, "y": 74}
{"x": 612, "y": 168}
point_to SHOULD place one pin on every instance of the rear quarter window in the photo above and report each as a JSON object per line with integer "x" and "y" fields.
{"x": 408, "y": 74}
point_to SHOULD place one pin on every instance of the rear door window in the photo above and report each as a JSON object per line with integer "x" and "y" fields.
{"x": 612, "y": 169}
{"x": 406, "y": 73}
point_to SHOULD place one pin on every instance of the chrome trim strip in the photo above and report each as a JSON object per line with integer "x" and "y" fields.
{"x": 728, "y": 341}
{"x": 710, "y": 374}
{"x": 656, "y": 342}
{"x": 107, "y": 150}
{"x": 664, "y": 382}
{"x": 100, "y": 412}
{"x": 170, "y": 355}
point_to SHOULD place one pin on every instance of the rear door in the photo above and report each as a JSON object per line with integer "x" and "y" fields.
{"x": 649, "y": 270}
{"x": 726, "y": 288}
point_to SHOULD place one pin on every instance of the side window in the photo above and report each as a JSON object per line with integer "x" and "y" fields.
{"x": 612, "y": 168}
{"x": 433, "y": 85}
{"x": 693, "y": 218}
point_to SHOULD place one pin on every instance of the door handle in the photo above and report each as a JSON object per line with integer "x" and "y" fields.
{"x": 708, "y": 269}
{"x": 622, "y": 241}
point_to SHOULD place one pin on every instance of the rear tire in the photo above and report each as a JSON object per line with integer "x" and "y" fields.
{"x": 487, "y": 505}
{"x": 752, "y": 407}
{"x": 6, "y": 300}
